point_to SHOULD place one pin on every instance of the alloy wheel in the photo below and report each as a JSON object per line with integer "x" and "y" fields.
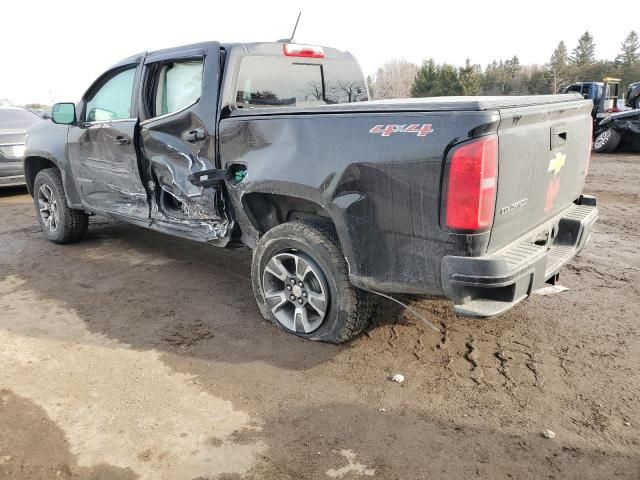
{"x": 296, "y": 291}
{"x": 602, "y": 139}
{"x": 48, "y": 208}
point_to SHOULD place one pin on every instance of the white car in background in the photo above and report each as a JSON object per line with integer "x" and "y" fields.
{"x": 14, "y": 122}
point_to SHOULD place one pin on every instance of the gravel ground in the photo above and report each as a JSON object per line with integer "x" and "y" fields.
{"x": 136, "y": 355}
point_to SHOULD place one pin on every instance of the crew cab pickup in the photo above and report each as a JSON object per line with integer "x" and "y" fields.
{"x": 275, "y": 146}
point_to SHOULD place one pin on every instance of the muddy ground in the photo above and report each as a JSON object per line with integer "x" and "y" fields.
{"x": 136, "y": 355}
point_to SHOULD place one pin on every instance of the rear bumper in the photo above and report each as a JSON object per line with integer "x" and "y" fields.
{"x": 492, "y": 284}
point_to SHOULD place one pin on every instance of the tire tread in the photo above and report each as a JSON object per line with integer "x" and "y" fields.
{"x": 76, "y": 221}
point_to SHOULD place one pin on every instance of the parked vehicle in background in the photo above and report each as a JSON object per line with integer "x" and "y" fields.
{"x": 633, "y": 96}
{"x": 14, "y": 122}
{"x": 618, "y": 129}
{"x": 605, "y": 96}
{"x": 272, "y": 145}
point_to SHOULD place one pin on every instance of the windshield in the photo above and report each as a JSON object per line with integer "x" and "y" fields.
{"x": 10, "y": 119}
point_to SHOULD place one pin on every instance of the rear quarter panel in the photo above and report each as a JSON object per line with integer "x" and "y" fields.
{"x": 382, "y": 192}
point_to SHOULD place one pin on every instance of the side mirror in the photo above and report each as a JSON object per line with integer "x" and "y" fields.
{"x": 63, "y": 113}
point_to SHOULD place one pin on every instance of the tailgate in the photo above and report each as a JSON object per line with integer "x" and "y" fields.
{"x": 543, "y": 160}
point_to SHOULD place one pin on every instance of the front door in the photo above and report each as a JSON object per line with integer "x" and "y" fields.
{"x": 178, "y": 107}
{"x": 102, "y": 146}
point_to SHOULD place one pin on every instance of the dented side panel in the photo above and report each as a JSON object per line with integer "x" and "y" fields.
{"x": 382, "y": 192}
{"x": 106, "y": 171}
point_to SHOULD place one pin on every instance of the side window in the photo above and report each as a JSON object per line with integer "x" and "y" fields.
{"x": 269, "y": 81}
{"x": 113, "y": 100}
{"x": 178, "y": 85}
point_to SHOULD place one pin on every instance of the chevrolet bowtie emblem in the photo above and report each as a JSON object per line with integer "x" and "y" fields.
{"x": 556, "y": 163}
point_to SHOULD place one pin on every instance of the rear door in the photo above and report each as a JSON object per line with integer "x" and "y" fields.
{"x": 543, "y": 161}
{"x": 178, "y": 142}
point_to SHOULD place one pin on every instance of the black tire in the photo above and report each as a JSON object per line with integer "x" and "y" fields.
{"x": 638, "y": 102}
{"x": 349, "y": 308}
{"x": 70, "y": 225}
{"x": 607, "y": 141}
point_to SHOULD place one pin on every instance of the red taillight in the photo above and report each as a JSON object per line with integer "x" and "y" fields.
{"x": 307, "y": 51}
{"x": 471, "y": 191}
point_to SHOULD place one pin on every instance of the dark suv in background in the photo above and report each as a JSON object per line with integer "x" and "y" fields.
{"x": 633, "y": 95}
{"x": 14, "y": 122}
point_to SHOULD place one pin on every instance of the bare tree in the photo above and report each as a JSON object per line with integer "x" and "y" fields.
{"x": 394, "y": 79}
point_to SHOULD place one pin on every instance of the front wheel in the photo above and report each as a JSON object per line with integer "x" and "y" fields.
{"x": 607, "y": 141}
{"x": 59, "y": 223}
{"x": 300, "y": 280}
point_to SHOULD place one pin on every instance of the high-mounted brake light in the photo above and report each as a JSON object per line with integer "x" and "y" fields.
{"x": 471, "y": 190}
{"x": 298, "y": 50}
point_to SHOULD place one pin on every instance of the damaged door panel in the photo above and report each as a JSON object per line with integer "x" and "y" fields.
{"x": 178, "y": 143}
{"x": 102, "y": 146}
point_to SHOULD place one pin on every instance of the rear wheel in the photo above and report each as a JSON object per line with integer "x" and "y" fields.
{"x": 607, "y": 141}
{"x": 59, "y": 223}
{"x": 300, "y": 280}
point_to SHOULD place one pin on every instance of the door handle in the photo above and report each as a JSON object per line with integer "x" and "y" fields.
{"x": 193, "y": 136}
{"x": 122, "y": 140}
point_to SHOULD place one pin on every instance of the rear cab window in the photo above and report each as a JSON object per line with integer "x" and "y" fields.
{"x": 270, "y": 81}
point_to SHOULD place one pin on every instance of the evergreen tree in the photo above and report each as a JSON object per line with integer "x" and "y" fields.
{"x": 585, "y": 52}
{"x": 423, "y": 85}
{"x": 557, "y": 68}
{"x": 447, "y": 81}
{"x": 512, "y": 66}
{"x": 470, "y": 78}
{"x": 630, "y": 50}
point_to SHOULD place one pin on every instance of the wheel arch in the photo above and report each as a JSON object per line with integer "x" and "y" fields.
{"x": 267, "y": 210}
{"x": 34, "y": 164}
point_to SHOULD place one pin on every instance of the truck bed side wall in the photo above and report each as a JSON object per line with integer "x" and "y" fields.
{"x": 381, "y": 192}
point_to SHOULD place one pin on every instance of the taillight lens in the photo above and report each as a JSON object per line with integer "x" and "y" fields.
{"x": 306, "y": 51}
{"x": 471, "y": 189}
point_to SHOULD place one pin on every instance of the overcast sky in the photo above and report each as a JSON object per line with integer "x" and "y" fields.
{"x": 52, "y": 50}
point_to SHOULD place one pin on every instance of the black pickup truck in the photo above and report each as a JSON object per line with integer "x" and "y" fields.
{"x": 275, "y": 146}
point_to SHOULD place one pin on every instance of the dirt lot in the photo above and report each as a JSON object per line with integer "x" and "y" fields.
{"x": 136, "y": 355}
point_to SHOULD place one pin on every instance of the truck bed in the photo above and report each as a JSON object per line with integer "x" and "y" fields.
{"x": 379, "y": 170}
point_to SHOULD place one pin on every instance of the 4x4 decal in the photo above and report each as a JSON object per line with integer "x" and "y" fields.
{"x": 387, "y": 130}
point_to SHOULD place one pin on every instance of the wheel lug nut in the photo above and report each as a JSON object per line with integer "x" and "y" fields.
{"x": 300, "y": 301}
{"x": 292, "y": 297}
{"x": 293, "y": 280}
{"x": 289, "y": 287}
{"x": 304, "y": 294}
{"x": 300, "y": 284}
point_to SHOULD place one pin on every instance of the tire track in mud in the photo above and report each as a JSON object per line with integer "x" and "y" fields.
{"x": 471, "y": 356}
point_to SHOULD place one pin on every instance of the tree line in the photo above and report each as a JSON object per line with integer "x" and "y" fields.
{"x": 399, "y": 78}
